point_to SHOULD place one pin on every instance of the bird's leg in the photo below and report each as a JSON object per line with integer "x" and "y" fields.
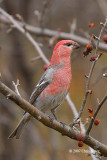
{"x": 53, "y": 113}
{"x": 51, "y": 119}
{"x": 43, "y": 111}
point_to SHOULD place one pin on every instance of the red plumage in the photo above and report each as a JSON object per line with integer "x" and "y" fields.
{"x": 54, "y": 84}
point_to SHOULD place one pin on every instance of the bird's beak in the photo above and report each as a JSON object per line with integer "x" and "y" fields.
{"x": 76, "y": 46}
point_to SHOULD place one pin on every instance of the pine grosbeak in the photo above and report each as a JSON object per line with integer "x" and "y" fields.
{"x": 54, "y": 83}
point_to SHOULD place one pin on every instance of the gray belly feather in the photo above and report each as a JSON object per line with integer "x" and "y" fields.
{"x": 50, "y": 101}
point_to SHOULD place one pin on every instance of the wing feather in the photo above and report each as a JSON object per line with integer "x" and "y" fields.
{"x": 45, "y": 80}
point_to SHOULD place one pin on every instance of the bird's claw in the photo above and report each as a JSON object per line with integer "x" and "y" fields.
{"x": 63, "y": 124}
{"x": 51, "y": 119}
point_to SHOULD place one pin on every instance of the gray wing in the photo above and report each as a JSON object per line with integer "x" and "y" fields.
{"x": 45, "y": 80}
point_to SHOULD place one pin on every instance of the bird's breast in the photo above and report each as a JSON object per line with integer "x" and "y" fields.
{"x": 61, "y": 81}
{"x": 54, "y": 94}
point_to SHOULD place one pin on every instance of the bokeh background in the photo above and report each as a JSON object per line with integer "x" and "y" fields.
{"x": 38, "y": 141}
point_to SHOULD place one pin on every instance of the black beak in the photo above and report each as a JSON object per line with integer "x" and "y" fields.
{"x": 76, "y": 46}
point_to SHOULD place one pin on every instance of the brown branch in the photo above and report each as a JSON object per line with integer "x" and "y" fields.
{"x": 32, "y": 110}
{"x": 101, "y": 74}
{"x": 91, "y": 71}
{"x": 19, "y": 26}
{"x": 25, "y": 33}
{"x": 63, "y": 129}
{"x": 102, "y": 29}
{"x": 95, "y": 114}
{"x": 35, "y": 58}
{"x": 51, "y": 33}
{"x": 87, "y": 87}
{"x": 24, "y": 29}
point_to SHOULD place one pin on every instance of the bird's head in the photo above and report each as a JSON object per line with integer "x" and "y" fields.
{"x": 68, "y": 45}
{"x": 62, "y": 50}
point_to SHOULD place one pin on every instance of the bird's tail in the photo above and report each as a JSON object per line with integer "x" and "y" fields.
{"x": 18, "y": 130}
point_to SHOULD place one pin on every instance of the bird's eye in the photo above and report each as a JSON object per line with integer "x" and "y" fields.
{"x": 68, "y": 44}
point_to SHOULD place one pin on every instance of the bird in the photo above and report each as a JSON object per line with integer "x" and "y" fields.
{"x": 54, "y": 84}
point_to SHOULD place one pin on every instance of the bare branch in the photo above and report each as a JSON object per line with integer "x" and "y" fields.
{"x": 35, "y": 58}
{"x": 65, "y": 130}
{"x": 105, "y": 75}
{"x": 87, "y": 87}
{"x": 91, "y": 70}
{"x": 98, "y": 41}
{"x": 25, "y": 33}
{"x": 73, "y": 26}
{"x": 75, "y": 113}
{"x": 16, "y": 86}
{"x": 0, "y": 76}
{"x": 95, "y": 114}
{"x": 101, "y": 74}
{"x": 51, "y": 33}
{"x": 24, "y": 29}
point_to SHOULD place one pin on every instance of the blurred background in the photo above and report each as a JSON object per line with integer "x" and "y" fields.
{"x": 38, "y": 141}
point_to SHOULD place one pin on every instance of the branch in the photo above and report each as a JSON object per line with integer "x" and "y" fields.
{"x": 51, "y": 33}
{"x": 75, "y": 113}
{"x": 98, "y": 41}
{"x": 16, "y": 87}
{"x": 23, "y": 28}
{"x": 95, "y": 114}
{"x": 105, "y": 75}
{"x": 25, "y": 33}
{"x": 63, "y": 129}
{"x": 91, "y": 70}
{"x": 101, "y": 74}
{"x": 87, "y": 87}
{"x": 19, "y": 26}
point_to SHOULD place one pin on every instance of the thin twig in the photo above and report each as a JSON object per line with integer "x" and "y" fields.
{"x": 95, "y": 114}
{"x": 0, "y": 76}
{"x": 91, "y": 71}
{"x": 25, "y": 33}
{"x": 75, "y": 113}
{"x": 101, "y": 74}
{"x": 87, "y": 87}
{"x": 98, "y": 41}
{"x": 16, "y": 86}
{"x": 35, "y": 58}
{"x": 51, "y": 33}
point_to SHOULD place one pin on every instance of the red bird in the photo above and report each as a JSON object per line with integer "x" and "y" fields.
{"x": 53, "y": 85}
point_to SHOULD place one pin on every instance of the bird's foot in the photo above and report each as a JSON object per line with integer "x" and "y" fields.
{"x": 63, "y": 124}
{"x": 51, "y": 119}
